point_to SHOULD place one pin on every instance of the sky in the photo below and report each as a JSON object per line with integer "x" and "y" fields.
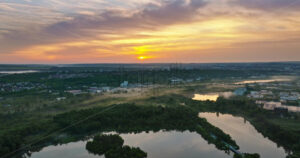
{"x": 148, "y": 31}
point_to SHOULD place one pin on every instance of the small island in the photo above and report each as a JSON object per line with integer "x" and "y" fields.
{"x": 112, "y": 147}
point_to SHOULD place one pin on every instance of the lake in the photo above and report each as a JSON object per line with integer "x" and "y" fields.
{"x": 262, "y": 81}
{"x": 18, "y": 72}
{"x": 245, "y": 135}
{"x": 162, "y": 144}
{"x": 211, "y": 96}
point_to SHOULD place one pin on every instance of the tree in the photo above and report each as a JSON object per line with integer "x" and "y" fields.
{"x": 103, "y": 143}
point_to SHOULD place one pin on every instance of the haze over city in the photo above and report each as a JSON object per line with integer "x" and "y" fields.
{"x": 148, "y": 31}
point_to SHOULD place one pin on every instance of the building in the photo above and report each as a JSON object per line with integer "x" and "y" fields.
{"x": 240, "y": 91}
{"x": 190, "y": 80}
{"x": 105, "y": 89}
{"x": 74, "y": 92}
{"x": 119, "y": 90}
{"x": 95, "y": 90}
{"x": 285, "y": 96}
{"x": 260, "y": 102}
{"x": 265, "y": 92}
{"x": 61, "y": 98}
{"x": 176, "y": 80}
{"x": 272, "y": 105}
{"x": 6, "y": 105}
{"x": 124, "y": 84}
{"x": 199, "y": 79}
{"x": 255, "y": 95}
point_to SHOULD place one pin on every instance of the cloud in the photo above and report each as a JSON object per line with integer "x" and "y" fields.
{"x": 271, "y": 5}
{"x": 88, "y": 25}
{"x": 151, "y": 17}
{"x": 71, "y": 30}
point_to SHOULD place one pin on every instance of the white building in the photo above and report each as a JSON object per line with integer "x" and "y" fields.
{"x": 176, "y": 80}
{"x": 285, "y": 96}
{"x": 272, "y": 105}
{"x": 240, "y": 91}
{"x": 255, "y": 95}
{"x": 260, "y": 102}
{"x": 105, "y": 89}
{"x": 95, "y": 90}
{"x": 124, "y": 84}
{"x": 75, "y": 92}
{"x": 61, "y": 98}
{"x": 265, "y": 92}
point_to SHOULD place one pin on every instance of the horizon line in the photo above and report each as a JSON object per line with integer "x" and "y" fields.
{"x": 128, "y": 63}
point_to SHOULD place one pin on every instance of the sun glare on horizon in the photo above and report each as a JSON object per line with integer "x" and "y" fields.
{"x": 141, "y": 57}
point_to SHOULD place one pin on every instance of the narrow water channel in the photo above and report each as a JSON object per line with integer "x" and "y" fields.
{"x": 245, "y": 135}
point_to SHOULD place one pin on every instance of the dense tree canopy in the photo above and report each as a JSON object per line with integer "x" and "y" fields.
{"x": 103, "y": 143}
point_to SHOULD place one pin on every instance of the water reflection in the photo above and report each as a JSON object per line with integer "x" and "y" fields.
{"x": 211, "y": 96}
{"x": 18, "y": 72}
{"x": 246, "y": 136}
{"x": 262, "y": 81}
{"x": 204, "y": 97}
{"x": 158, "y": 145}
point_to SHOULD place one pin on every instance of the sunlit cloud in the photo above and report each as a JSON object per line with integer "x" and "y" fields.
{"x": 75, "y": 31}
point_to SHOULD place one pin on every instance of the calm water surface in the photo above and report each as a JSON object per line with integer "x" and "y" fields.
{"x": 158, "y": 145}
{"x": 18, "y": 72}
{"x": 245, "y": 135}
{"x": 211, "y": 96}
{"x": 262, "y": 81}
{"x": 204, "y": 97}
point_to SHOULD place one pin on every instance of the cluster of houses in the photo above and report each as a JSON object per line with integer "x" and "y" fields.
{"x": 20, "y": 86}
{"x": 124, "y": 87}
{"x": 282, "y": 96}
{"x": 61, "y": 98}
{"x": 260, "y": 94}
{"x": 176, "y": 80}
{"x": 289, "y": 96}
{"x": 280, "y": 106}
{"x": 277, "y": 106}
{"x": 75, "y": 92}
{"x": 240, "y": 91}
{"x": 67, "y": 76}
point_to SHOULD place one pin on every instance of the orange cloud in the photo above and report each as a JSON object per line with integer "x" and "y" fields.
{"x": 161, "y": 32}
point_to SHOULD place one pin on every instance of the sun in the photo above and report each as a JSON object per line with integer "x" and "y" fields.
{"x": 141, "y": 57}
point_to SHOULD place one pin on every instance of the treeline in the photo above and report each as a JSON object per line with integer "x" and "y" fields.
{"x": 114, "y": 78}
{"x": 128, "y": 118}
{"x": 14, "y": 140}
